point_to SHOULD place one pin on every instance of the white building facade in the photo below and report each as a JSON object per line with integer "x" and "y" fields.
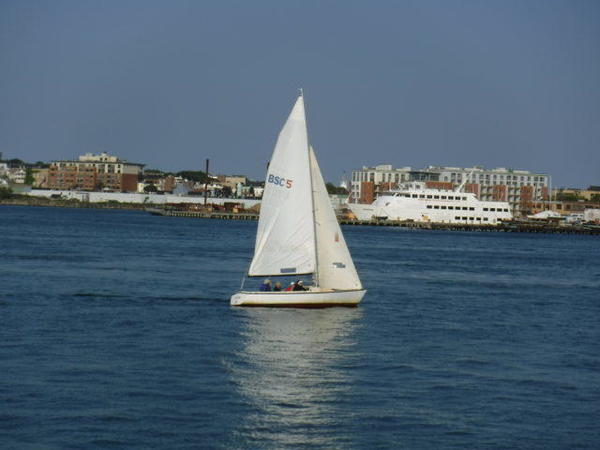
{"x": 517, "y": 187}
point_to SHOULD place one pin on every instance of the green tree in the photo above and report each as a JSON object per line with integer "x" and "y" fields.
{"x": 332, "y": 189}
{"x": 15, "y": 162}
{"x": 150, "y": 188}
{"x": 5, "y": 192}
{"x": 567, "y": 197}
{"x": 29, "y": 175}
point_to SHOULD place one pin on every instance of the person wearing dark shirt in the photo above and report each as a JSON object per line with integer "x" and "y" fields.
{"x": 299, "y": 286}
{"x": 266, "y": 286}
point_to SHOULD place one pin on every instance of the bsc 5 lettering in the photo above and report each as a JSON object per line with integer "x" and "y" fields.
{"x": 280, "y": 181}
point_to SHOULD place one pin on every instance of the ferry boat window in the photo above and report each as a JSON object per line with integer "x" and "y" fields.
{"x": 492, "y": 209}
{"x": 443, "y": 207}
{"x": 485, "y": 209}
{"x": 478, "y": 218}
{"x": 430, "y": 196}
{"x": 436, "y": 207}
{"x": 464, "y": 218}
{"x": 443, "y": 197}
{"x": 456, "y": 217}
{"x": 436, "y": 196}
{"x": 407, "y": 195}
{"x": 428, "y": 206}
{"x": 421, "y": 196}
{"x": 415, "y": 196}
{"x": 505, "y": 210}
{"x": 471, "y": 218}
{"x": 464, "y": 208}
{"x": 464, "y": 198}
{"x": 450, "y": 197}
{"x": 485, "y": 219}
{"x": 471, "y": 209}
{"x": 450, "y": 207}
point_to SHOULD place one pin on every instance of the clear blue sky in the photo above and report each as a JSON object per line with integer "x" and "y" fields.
{"x": 410, "y": 83}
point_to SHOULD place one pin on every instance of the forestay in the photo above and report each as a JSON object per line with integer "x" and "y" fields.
{"x": 285, "y": 239}
{"x": 335, "y": 267}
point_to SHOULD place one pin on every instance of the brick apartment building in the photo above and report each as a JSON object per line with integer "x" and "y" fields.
{"x": 93, "y": 173}
{"x": 520, "y": 188}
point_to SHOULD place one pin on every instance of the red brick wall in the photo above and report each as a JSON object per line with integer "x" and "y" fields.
{"x": 474, "y": 188}
{"x": 526, "y": 197}
{"x": 367, "y": 192}
{"x": 499, "y": 193}
{"x": 129, "y": 182}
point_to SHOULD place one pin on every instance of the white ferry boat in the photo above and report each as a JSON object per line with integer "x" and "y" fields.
{"x": 414, "y": 201}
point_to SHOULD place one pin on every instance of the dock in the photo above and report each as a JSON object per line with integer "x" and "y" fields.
{"x": 504, "y": 227}
{"x": 223, "y": 215}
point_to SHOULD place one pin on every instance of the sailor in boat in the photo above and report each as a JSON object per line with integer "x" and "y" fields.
{"x": 299, "y": 286}
{"x": 266, "y": 286}
{"x": 290, "y": 287}
{"x": 277, "y": 286}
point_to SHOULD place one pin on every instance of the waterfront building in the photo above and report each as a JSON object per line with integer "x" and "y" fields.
{"x": 93, "y": 173}
{"x": 520, "y": 188}
{"x": 17, "y": 175}
{"x": 232, "y": 181}
{"x": 592, "y": 193}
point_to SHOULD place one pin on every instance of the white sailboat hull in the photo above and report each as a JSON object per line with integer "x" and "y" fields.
{"x": 300, "y": 299}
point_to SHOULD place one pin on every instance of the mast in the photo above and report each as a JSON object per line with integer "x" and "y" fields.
{"x": 312, "y": 196}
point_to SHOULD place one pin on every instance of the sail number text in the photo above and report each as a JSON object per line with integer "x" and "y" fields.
{"x": 280, "y": 181}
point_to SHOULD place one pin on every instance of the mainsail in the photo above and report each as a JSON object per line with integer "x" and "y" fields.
{"x": 285, "y": 239}
{"x": 335, "y": 267}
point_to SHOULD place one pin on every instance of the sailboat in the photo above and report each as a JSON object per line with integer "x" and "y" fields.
{"x": 298, "y": 233}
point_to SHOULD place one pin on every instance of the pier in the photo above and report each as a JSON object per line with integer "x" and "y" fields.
{"x": 223, "y": 215}
{"x": 506, "y": 227}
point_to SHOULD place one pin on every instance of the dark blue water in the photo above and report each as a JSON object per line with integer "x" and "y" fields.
{"x": 116, "y": 332}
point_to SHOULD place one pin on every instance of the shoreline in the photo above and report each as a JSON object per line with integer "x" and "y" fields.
{"x": 508, "y": 227}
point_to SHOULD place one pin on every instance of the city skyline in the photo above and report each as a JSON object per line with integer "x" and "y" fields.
{"x": 496, "y": 84}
